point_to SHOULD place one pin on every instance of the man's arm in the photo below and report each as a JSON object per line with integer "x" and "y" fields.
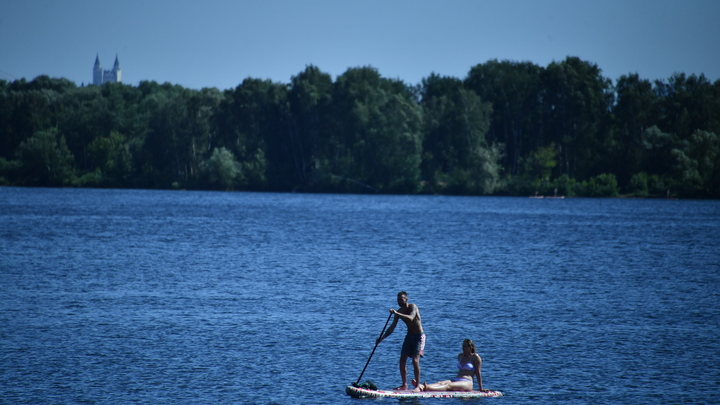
{"x": 390, "y": 329}
{"x": 407, "y": 317}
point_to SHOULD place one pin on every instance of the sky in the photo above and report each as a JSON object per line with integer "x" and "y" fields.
{"x": 219, "y": 43}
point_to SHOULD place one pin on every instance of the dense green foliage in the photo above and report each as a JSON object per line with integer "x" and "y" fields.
{"x": 510, "y": 128}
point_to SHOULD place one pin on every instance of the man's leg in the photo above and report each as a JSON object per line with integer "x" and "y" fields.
{"x": 403, "y": 372}
{"x": 416, "y": 368}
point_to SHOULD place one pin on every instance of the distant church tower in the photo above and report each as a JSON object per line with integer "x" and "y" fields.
{"x": 97, "y": 72}
{"x": 106, "y": 76}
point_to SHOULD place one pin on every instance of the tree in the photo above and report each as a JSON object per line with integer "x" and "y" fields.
{"x": 310, "y": 99}
{"x": 44, "y": 160}
{"x": 639, "y": 184}
{"x": 198, "y": 136}
{"x": 222, "y": 170}
{"x": 658, "y": 147}
{"x": 85, "y": 116}
{"x": 541, "y": 162}
{"x": 25, "y": 111}
{"x": 485, "y": 170}
{"x": 577, "y": 101}
{"x": 376, "y": 138}
{"x": 603, "y": 185}
{"x": 456, "y": 157}
{"x": 513, "y": 88}
{"x": 253, "y": 122}
{"x": 177, "y": 134}
{"x": 635, "y": 111}
{"x": 687, "y": 104}
{"x": 697, "y": 165}
{"x": 111, "y": 154}
{"x": 399, "y": 144}
{"x": 163, "y": 148}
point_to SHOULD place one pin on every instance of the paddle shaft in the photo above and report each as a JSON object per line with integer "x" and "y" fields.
{"x": 373, "y": 350}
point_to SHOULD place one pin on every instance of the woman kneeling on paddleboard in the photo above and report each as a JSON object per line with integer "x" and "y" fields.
{"x": 469, "y": 365}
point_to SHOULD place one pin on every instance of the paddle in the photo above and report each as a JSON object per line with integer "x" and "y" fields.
{"x": 373, "y": 350}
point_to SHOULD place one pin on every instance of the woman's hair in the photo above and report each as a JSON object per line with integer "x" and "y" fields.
{"x": 470, "y": 344}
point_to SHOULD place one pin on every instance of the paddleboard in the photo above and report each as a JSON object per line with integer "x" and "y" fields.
{"x": 358, "y": 392}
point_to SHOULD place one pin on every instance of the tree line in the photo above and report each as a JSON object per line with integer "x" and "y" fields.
{"x": 507, "y": 128}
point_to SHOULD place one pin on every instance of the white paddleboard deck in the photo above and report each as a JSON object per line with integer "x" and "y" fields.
{"x": 358, "y": 392}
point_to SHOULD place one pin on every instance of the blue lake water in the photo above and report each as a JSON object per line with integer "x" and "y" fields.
{"x": 174, "y": 297}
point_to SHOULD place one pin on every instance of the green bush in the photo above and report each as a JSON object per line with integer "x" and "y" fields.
{"x": 639, "y": 184}
{"x": 564, "y": 185}
{"x": 604, "y": 185}
{"x": 657, "y": 185}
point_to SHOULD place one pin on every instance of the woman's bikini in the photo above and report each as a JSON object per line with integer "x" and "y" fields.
{"x": 464, "y": 367}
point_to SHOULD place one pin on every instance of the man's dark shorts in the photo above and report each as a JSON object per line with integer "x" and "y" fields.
{"x": 413, "y": 345}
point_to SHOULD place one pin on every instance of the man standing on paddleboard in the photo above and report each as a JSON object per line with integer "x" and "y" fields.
{"x": 414, "y": 343}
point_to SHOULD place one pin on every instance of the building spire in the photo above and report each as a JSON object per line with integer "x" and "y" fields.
{"x": 101, "y": 76}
